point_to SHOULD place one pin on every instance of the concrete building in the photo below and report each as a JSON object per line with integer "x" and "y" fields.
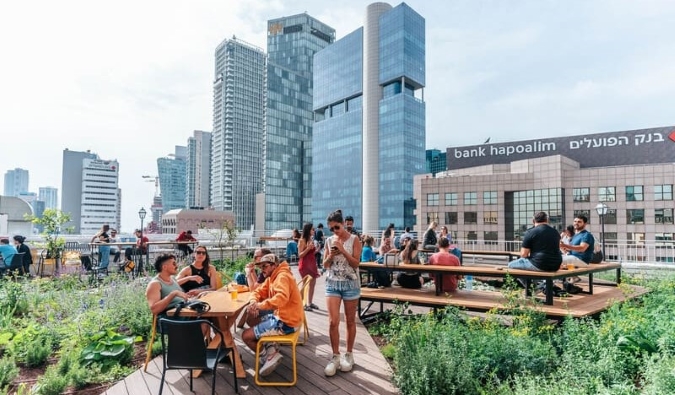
{"x": 172, "y": 172}
{"x": 16, "y": 181}
{"x": 50, "y": 196}
{"x": 176, "y": 221}
{"x": 100, "y": 195}
{"x": 198, "y": 164}
{"x": 13, "y": 212}
{"x": 369, "y": 134}
{"x": 71, "y": 185}
{"x": 490, "y": 192}
{"x": 238, "y": 129}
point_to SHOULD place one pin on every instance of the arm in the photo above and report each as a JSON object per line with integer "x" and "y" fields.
{"x": 281, "y": 295}
{"x": 305, "y": 248}
{"x": 184, "y": 276}
{"x": 524, "y": 252}
{"x": 354, "y": 258}
{"x": 156, "y": 302}
{"x": 580, "y": 248}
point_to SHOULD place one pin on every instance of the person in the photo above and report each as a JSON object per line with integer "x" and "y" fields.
{"x": 540, "y": 249}
{"x": 342, "y": 286}
{"x": 140, "y": 249}
{"x": 387, "y": 245}
{"x": 430, "y": 239}
{"x": 367, "y": 253}
{"x": 7, "y": 252}
{"x": 407, "y": 234}
{"x": 163, "y": 291}
{"x": 200, "y": 276}
{"x": 102, "y": 238}
{"x": 580, "y": 247}
{"x": 292, "y": 246}
{"x": 566, "y": 236}
{"x": 410, "y": 256}
{"x": 389, "y": 232}
{"x": 380, "y": 276}
{"x": 307, "y": 264}
{"x": 253, "y": 279}
{"x": 445, "y": 234}
{"x": 319, "y": 237}
{"x": 22, "y": 247}
{"x": 349, "y": 225}
{"x": 185, "y": 236}
{"x": 445, "y": 258}
{"x": 280, "y": 293}
{"x": 114, "y": 250}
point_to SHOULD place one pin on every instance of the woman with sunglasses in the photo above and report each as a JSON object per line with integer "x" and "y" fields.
{"x": 200, "y": 276}
{"x": 342, "y": 285}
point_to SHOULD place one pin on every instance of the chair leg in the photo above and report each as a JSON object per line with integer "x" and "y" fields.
{"x": 234, "y": 372}
{"x": 213, "y": 380}
{"x": 190, "y": 373}
{"x": 152, "y": 339}
{"x": 161, "y": 383}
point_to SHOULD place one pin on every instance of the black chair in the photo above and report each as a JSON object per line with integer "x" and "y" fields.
{"x": 16, "y": 267}
{"x": 183, "y": 347}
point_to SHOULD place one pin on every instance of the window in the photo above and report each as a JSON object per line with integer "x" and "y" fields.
{"x": 663, "y": 215}
{"x": 470, "y": 198}
{"x": 450, "y": 199}
{"x": 471, "y": 237}
{"x": 451, "y": 218}
{"x": 635, "y": 238}
{"x": 491, "y": 237}
{"x": 635, "y": 216}
{"x": 431, "y": 217}
{"x": 663, "y": 192}
{"x": 607, "y": 194}
{"x": 470, "y": 218}
{"x": 581, "y": 194}
{"x": 610, "y": 217}
{"x": 490, "y": 217}
{"x": 585, "y": 213}
{"x": 634, "y": 193}
{"x": 490, "y": 197}
{"x": 610, "y": 237}
{"x": 663, "y": 238}
{"x": 432, "y": 199}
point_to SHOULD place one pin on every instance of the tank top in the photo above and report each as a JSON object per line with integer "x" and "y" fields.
{"x": 166, "y": 289}
{"x": 203, "y": 273}
{"x": 341, "y": 276}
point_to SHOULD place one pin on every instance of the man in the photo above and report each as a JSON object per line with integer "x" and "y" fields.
{"x": 114, "y": 250}
{"x": 540, "y": 250}
{"x": 139, "y": 250}
{"x": 163, "y": 292}
{"x": 252, "y": 279}
{"x": 319, "y": 237}
{"x": 349, "y": 225}
{"x": 185, "y": 235}
{"x": 7, "y": 252}
{"x": 406, "y": 234}
{"x": 444, "y": 258}
{"x": 280, "y": 293}
{"x": 580, "y": 248}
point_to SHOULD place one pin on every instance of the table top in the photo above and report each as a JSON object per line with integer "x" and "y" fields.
{"x": 221, "y": 304}
{"x": 167, "y": 242}
{"x": 274, "y": 238}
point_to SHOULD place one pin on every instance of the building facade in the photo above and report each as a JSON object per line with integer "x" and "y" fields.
{"x": 50, "y": 196}
{"x": 436, "y": 161}
{"x": 100, "y": 195}
{"x": 16, "y": 181}
{"x": 369, "y": 131}
{"x": 198, "y": 170}
{"x": 238, "y": 129}
{"x": 291, "y": 44}
{"x": 490, "y": 192}
{"x": 172, "y": 172}
{"x": 71, "y": 186}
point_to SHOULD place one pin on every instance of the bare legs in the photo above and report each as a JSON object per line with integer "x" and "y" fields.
{"x": 312, "y": 284}
{"x": 333, "y": 304}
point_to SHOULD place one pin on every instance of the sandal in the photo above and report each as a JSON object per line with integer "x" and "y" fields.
{"x": 308, "y": 308}
{"x": 315, "y": 307}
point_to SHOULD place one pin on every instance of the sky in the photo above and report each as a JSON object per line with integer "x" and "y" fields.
{"x": 129, "y": 80}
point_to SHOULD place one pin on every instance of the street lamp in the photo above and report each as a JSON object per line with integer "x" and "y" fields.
{"x": 601, "y": 208}
{"x": 141, "y": 215}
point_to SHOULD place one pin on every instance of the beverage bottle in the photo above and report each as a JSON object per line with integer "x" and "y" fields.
{"x": 468, "y": 282}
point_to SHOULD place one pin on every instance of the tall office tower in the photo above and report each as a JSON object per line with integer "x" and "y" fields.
{"x": 50, "y": 196}
{"x": 291, "y": 44}
{"x": 100, "y": 195}
{"x": 238, "y": 129}
{"x": 172, "y": 174}
{"x": 119, "y": 209}
{"x": 369, "y": 108}
{"x": 436, "y": 161}
{"x": 16, "y": 181}
{"x": 198, "y": 170}
{"x": 71, "y": 186}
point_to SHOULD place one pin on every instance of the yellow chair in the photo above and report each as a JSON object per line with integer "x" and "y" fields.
{"x": 219, "y": 281}
{"x": 290, "y": 339}
{"x": 150, "y": 341}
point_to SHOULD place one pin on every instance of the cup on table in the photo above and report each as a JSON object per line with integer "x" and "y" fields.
{"x": 234, "y": 293}
{"x": 570, "y": 266}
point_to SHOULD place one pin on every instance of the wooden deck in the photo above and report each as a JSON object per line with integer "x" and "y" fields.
{"x": 371, "y": 374}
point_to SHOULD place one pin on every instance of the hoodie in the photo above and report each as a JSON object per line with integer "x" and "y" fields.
{"x": 280, "y": 293}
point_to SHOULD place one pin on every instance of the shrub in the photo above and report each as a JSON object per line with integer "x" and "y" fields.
{"x": 8, "y": 371}
{"x": 31, "y": 346}
{"x": 52, "y": 383}
{"x": 107, "y": 348}
{"x": 659, "y": 375}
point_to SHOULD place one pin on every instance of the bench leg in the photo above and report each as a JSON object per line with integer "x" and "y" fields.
{"x": 590, "y": 283}
{"x": 618, "y": 276}
{"x": 549, "y": 291}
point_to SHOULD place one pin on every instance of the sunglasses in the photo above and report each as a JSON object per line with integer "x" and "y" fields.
{"x": 200, "y": 252}
{"x": 334, "y": 228}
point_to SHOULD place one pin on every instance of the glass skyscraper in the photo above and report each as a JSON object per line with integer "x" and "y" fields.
{"x": 369, "y": 134}
{"x": 198, "y": 170}
{"x": 291, "y": 44}
{"x": 172, "y": 174}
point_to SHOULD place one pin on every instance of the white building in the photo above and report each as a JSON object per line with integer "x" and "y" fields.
{"x": 50, "y": 196}
{"x": 16, "y": 181}
{"x": 198, "y": 170}
{"x": 100, "y": 195}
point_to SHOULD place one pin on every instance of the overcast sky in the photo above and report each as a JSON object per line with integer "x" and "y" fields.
{"x": 132, "y": 79}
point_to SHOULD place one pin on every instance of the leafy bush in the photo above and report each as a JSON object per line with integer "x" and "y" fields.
{"x": 8, "y": 371}
{"x": 52, "y": 383}
{"x": 107, "y": 348}
{"x": 31, "y": 346}
{"x": 659, "y": 375}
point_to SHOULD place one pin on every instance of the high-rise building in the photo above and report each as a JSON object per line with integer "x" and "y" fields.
{"x": 436, "y": 161}
{"x": 50, "y": 196}
{"x": 71, "y": 185}
{"x": 172, "y": 174}
{"x": 100, "y": 195}
{"x": 291, "y": 44}
{"x": 369, "y": 135}
{"x": 238, "y": 129}
{"x": 16, "y": 181}
{"x": 198, "y": 170}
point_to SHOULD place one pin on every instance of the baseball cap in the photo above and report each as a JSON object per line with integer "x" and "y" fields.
{"x": 269, "y": 258}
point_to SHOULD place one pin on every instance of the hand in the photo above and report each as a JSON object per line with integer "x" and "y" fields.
{"x": 181, "y": 294}
{"x": 253, "y": 309}
{"x": 195, "y": 292}
{"x": 198, "y": 279}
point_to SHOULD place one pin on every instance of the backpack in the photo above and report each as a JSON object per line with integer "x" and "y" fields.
{"x": 597, "y": 257}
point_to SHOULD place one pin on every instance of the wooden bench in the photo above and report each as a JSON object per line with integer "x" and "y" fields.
{"x": 510, "y": 255}
{"x": 501, "y": 272}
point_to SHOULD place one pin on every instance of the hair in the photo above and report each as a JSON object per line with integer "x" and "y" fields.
{"x": 368, "y": 240}
{"x": 335, "y": 216}
{"x": 387, "y": 233}
{"x": 407, "y": 251}
{"x": 296, "y": 234}
{"x": 19, "y": 238}
{"x": 349, "y": 218}
{"x": 105, "y": 227}
{"x": 188, "y": 231}
{"x": 161, "y": 260}
{"x": 540, "y": 217}
{"x": 391, "y": 226}
{"x": 320, "y": 225}
{"x": 307, "y": 231}
{"x": 263, "y": 251}
{"x": 407, "y": 228}
{"x": 443, "y": 243}
{"x": 583, "y": 218}
{"x": 207, "y": 261}
{"x": 433, "y": 224}
{"x": 444, "y": 228}
{"x": 4, "y": 241}
{"x": 570, "y": 229}
{"x": 113, "y": 230}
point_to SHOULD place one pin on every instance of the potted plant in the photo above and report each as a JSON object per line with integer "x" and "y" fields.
{"x": 51, "y": 221}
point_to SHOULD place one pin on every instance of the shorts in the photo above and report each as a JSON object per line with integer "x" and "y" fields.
{"x": 345, "y": 294}
{"x": 271, "y": 325}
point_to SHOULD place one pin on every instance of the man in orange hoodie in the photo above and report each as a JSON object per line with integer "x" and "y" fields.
{"x": 280, "y": 293}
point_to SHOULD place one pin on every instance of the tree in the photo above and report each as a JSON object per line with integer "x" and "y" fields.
{"x": 51, "y": 222}
{"x": 224, "y": 236}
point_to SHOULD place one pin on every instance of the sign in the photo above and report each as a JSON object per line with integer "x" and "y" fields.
{"x": 645, "y": 146}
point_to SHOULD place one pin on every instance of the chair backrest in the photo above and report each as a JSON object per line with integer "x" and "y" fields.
{"x": 72, "y": 245}
{"x": 185, "y": 348}
{"x": 219, "y": 280}
{"x": 304, "y": 288}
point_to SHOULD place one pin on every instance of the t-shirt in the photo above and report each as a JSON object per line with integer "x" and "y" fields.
{"x": 446, "y": 259}
{"x": 544, "y": 244}
{"x": 367, "y": 254}
{"x": 583, "y": 237}
{"x": 7, "y": 252}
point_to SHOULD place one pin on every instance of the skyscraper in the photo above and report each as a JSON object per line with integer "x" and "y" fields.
{"x": 436, "y": 161}
{"x": 291, "y": 44}
{"x": 100, "y": 195}
{"x": 369, "y": 134}
{"x": 71, "y": 185}
{"x": 198, "y": 170}
{"x": 50, "y": 196}
{"x": 16, "y": 181}
{"x": 238, "y": 129}
{"x": 172, "y": 179}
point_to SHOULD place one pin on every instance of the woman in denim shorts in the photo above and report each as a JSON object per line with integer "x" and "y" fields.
{"x": 341, "y": 260}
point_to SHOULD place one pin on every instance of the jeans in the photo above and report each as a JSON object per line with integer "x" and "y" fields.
{"x": 104, "y": 255}
{"x": 523, "y": 264}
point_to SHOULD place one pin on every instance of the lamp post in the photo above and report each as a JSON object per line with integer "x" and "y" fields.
{"x": 601, "y": 208}
{"x": 141, "y": 215}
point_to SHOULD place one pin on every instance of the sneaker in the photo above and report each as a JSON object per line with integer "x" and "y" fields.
{"x": 315, "y": 307}
{"x": 308, "y": 308}
{"x": 332, "y": 366}
{"x": 347, "y": 362}
{"x": 271, "y": 362}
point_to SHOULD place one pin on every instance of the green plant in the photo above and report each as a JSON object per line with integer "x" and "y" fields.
{"x": 51, "y": 221}
{"x": 107, "y": 348}
{"x": 14, "y": 300}
{"x": 51, "y": 383}
{"x": 8, "y": 371}
{"x": 31, "y": 346}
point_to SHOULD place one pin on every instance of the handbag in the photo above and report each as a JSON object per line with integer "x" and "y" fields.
{"x": 198, "y": 306}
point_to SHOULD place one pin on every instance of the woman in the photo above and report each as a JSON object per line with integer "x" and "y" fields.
{"x": 430, "y": 239}
{"x": 445, "y": 234}
{"x": 27, "y": 257}
{"x": 367, "y": 253}
{"x": 566, "y": 237}
{"x": 307, "y": 264}
{"x": 200, "y": 276}
{"x": 389, "y": 233}
{"x": 409, "y": 256}
{"x": 103, "y": 249}
{"x": 342, "y": 285}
